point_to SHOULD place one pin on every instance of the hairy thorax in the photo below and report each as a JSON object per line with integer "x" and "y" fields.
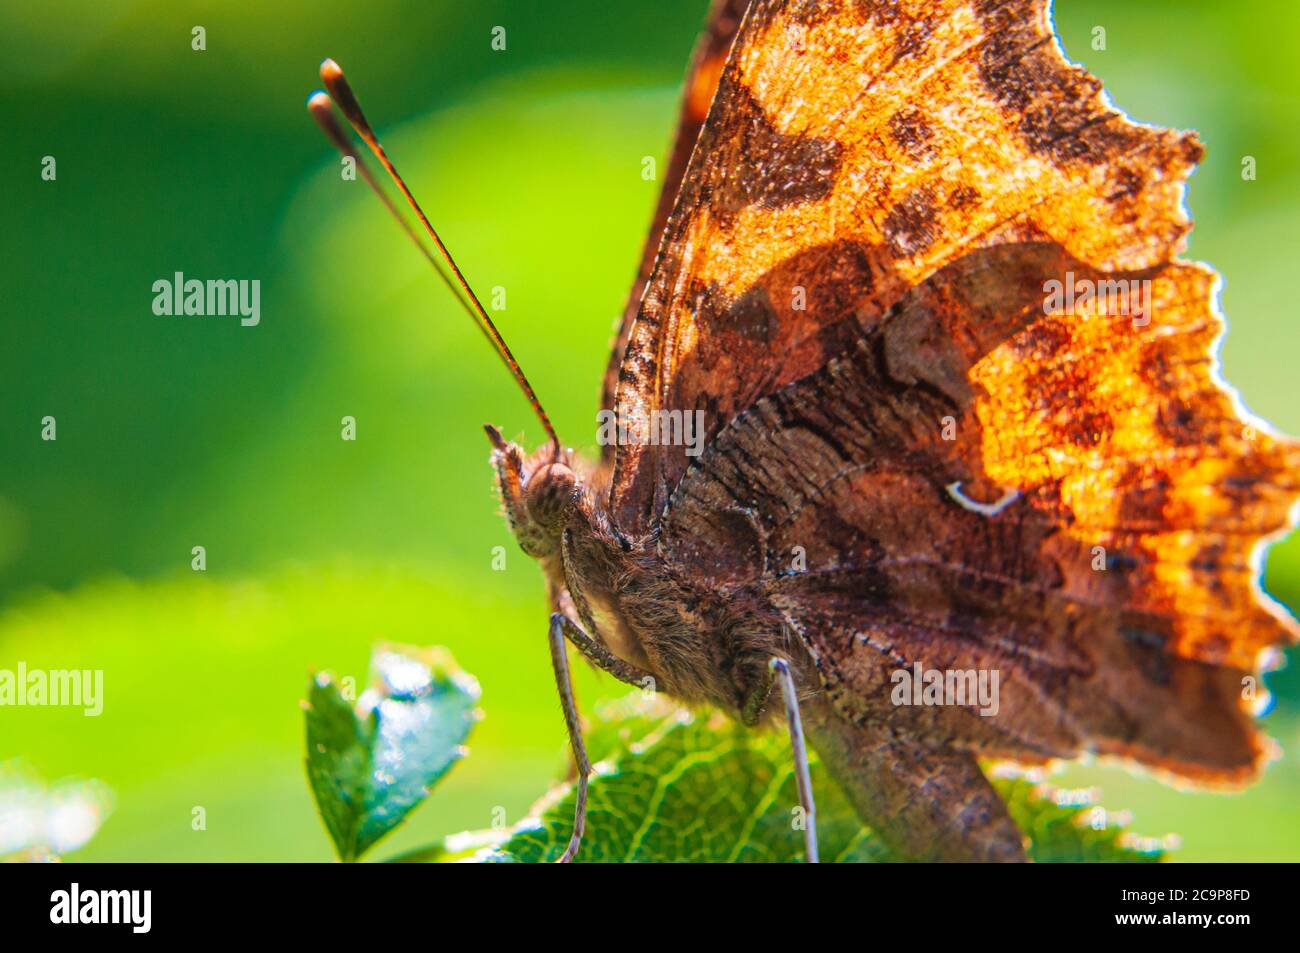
{"x": 698, "y": 642}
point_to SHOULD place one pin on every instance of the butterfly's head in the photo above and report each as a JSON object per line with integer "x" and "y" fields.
{"x": 540, "y": 493}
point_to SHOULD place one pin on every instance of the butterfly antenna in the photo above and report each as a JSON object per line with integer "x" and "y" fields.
{"x": 322, "y": 110}
{"x": 331, "y": 75}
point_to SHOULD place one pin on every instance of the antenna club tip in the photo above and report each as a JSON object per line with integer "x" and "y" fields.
{"x": 318, "y": 99}
{"x": 330, "y": 70}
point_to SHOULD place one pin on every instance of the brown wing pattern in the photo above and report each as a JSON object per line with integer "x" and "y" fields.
{"x": 853, "y": 149}
{"x": 1115, "y": 594}
{"x": 701, "y": 84}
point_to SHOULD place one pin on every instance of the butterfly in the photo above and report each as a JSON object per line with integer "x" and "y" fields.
{"x": 913, "y": 433}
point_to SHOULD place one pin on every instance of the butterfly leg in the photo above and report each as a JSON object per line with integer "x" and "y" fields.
{"x": 781, "y": 669}
{"x": 560, "y": 663}
{"x": 593, "y": 651}
{"x": 778, "y": 670}
{"x": 562, "y": 628}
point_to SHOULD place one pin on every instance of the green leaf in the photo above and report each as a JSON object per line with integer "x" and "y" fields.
{"x": 672, "y": 785}
{"x": 371, "y": 766}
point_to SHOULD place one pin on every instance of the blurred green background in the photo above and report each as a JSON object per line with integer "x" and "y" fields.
{"x": 177, "y": 432}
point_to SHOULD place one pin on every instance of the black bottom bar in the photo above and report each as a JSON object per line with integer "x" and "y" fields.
{"x": 309, "y": 903}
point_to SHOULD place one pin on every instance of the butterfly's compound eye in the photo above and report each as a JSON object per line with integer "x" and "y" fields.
{"x": 549, "y": 495}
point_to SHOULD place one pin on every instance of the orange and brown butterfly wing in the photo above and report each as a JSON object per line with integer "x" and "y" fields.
{"x": 701, "y": 84}
{"x": 1114, "y": 595}
{"x": 856, "y": 270}
{"x": 852, "y": 149}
